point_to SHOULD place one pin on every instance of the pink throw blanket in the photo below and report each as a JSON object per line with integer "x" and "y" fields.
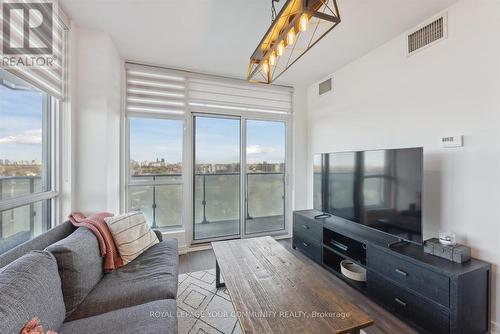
{"x": 96, "y": 224}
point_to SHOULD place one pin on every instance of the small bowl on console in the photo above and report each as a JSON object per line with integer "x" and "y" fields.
{"x": 353, "y": 271}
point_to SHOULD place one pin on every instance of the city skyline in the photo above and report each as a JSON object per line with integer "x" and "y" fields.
{"x": 8, "y": 162}
{"x": 160, "y": 166}
{"x": 217, "y": 140}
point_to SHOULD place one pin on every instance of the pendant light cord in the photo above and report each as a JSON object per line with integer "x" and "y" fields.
{"x": 273, "y": 10}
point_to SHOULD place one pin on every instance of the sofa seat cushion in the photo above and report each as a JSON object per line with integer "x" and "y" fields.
{"x": 80, "y": 266}
{"x": 30, "y": 287}
{"x": 151, "y": 276}
{"x": 154, "y": 317}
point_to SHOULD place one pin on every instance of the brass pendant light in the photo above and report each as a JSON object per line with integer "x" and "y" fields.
{"x": 298, "y": 27}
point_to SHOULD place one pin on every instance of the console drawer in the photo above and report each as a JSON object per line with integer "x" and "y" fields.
{"x": 427, "y": 314}
{"x": 308, "y": 247}
{"x": 308, "y": 228}
{"x": 410, "y": 276}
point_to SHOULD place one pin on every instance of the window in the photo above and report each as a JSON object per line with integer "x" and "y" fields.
{"x": 236, "y": 135}
{"x": 217, "y": 180}
{"x": 155, "y": 170}
{"x": 26, "y": 188}
{"x": 265, "y": 176}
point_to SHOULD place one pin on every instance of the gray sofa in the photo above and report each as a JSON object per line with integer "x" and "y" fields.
{"x": 58, "y": 277}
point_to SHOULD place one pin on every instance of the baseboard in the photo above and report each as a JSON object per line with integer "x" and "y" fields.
{"x": 195, "y": 248}
{"x": 205, "y": 246}
{"x": 495, "y": 328}
{"x": 182, "y": 249}
{"x": 279, "y": 237}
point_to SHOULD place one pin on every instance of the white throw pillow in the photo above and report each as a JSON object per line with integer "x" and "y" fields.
{"x": 132, "y": 234}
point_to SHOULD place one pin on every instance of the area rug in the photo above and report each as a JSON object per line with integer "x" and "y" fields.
{"x": 204, "y": 309}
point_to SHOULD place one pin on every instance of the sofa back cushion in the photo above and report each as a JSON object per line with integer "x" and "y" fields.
{"x": 30, "y": 287}
{"x": 80, "y": 266}
{"x": 38, "y": 243}
{"x": 132, "y": 234}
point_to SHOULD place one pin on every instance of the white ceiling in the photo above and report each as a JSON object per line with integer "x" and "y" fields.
{"x": 218, "y": 36}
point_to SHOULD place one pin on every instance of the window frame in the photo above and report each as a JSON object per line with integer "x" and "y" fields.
{"x": 129, "y": 180}
{"x": 50, "y": 154}
{"x": 243, "y": 116}
{"x": 286, "y": 121}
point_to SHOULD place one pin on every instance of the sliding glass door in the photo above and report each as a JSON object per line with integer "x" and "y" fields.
{"x": 216, "y": 177}
{"x": 239, "y": 177}
{"x": 265, "y": 176}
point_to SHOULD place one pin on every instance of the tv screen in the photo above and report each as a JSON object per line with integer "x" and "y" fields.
{"x": 381, "y": 189}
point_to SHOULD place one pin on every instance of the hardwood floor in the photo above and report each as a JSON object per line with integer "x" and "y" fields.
{"x": 196, "y": 261}
{"x": 385, "y": 322}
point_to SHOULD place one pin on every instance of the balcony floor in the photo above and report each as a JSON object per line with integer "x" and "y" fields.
{"x": 231, "y": 227}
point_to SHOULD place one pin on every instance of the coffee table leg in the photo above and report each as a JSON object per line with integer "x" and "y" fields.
{"x": 218, "y": 284}
{"x": 356, "y": 331}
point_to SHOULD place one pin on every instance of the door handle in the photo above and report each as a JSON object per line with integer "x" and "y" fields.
{"x": 402, "y": 273}
{"x": 305, "y": 227}
{"x": 400, "y": 302}
{"x": 305, "y": 244}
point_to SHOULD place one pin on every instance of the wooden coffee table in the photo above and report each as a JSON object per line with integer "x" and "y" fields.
{"x": 273, "y": 291}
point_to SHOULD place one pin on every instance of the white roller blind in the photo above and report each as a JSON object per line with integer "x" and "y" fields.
{"x": 238, "y": 95}
{"x": 50, "y": 79}
{"x": 157, "y": 90}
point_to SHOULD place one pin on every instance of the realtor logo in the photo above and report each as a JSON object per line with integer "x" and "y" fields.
{"x": 27, "y": 33}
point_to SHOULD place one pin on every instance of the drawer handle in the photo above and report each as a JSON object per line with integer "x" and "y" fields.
{"x": 305, "y": 227}
{"x": 400, "y": 302}
{"x": 305, "y": 244}
{"x": 339, "y": 245}
{"x": 402, "y": 273}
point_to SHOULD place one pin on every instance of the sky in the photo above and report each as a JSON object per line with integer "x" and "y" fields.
{"x": 20, "y": 124}
{"x": 265, "y": 141}
{"x": 155, "y": 138}
{"x": 217, "y": 140}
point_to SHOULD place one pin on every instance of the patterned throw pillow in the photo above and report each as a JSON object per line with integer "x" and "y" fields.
{"x": 132, "y": 234}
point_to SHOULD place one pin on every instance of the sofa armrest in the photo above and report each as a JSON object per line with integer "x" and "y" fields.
{"x": 159, "y": 235}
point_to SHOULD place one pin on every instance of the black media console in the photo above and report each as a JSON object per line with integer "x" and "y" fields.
{"x": 430, "y": 293}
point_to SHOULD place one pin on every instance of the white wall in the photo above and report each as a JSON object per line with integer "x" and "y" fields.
{"x": 388, "y": 100}
{"x": 300, "y": 148}
{"x": 97, "y": 80}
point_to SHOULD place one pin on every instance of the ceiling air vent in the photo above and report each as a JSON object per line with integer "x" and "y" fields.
{"x": 426, "y": 35}
{"x": 325, "y": 86}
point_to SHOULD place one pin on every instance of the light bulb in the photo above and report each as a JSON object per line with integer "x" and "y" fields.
{"x": 290, "y": 37}
{"x": 272, "y": 59}
{"x": 304, "y": 22}
{"x": 265, "y": 67}
{"x": 281, "y": 48}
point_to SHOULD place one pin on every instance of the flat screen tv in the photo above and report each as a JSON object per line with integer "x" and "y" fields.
{"x": 380, "y": 189}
